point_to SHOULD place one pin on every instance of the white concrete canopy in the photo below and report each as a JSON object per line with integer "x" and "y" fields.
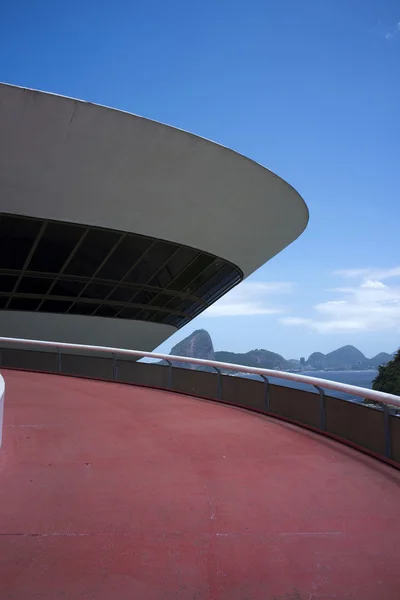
{"x": 69, "y": 160}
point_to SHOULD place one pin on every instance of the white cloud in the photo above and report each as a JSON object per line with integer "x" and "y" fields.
{"x": 368, "y": 305}
{"x": 250, "y": 298}
{"x": 350, "y": 272}
{"x": 294, "y": 321}
{"x": 374, "y": 274}
{"x": 372, "y": 285}
{"x": 394, "y": 31}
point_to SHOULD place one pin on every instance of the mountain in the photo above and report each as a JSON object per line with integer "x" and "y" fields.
{"x": 342, "y": 358}
{"x": 196, "y": 345}
{"x": 294, "y": 361}
{"x": 255, "y": 358}
{"x": 317, "y": 361}
{"x": 199, "y": 345}
{"x": 380, "y": 359}
{"x": 345, "y": 358}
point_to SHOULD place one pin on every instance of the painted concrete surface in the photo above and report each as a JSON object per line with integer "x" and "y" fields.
{"x": 112, "y": 491}
{"x": 69, "y": 160}
{"x": 80, "y": 329}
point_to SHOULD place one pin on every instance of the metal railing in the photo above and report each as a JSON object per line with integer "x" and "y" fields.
{"x": 388, "y": 402}
{"x": 317, "y": 382}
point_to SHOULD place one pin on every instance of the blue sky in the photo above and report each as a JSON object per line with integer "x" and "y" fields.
{"x": 309, "y": 89}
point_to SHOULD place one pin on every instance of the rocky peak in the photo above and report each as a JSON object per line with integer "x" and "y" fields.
{"x": 196, "y": 345}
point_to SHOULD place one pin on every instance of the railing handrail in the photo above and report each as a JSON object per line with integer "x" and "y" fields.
{"x": 383, "y": 397}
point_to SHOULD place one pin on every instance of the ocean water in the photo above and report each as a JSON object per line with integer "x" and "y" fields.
{"x": 359, "y": 378}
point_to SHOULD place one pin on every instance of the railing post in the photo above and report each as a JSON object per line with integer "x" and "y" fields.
{"x": 59, "y": 360}
{"x": 322, "y": 408}
{"x": 219, "y": 392}
{"x": 115, "y": 367}
{"x": 388, "y": 433}
{"x": 169, "y": 374}
{"x": 266, "y": 392}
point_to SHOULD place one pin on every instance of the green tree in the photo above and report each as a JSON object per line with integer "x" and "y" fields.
{"x": 388, "y": 378}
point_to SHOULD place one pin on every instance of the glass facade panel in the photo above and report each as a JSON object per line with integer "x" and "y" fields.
{"x": 57, "y": 267}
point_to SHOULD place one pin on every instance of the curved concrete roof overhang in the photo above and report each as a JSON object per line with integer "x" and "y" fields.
{"x": 70, "y": 160}
{"x": 67, "y": 160}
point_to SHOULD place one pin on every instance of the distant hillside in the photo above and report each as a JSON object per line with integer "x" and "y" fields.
{"x": 196, "y": 345}
{"x": 380, "y": 359}
{"x": 342, "y": 358}
{"x": 347, "y": 357}
{"x": 255, "y": 358}
{"x": 199, "y": 345}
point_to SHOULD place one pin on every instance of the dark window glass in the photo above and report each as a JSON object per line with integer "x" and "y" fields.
{"x": 122, "y": 294}
{"x": 55, "y": 245}
{"x": 144, "y": 297}
{"x": 223, "y": 279}
{"x": 143, "y": 314}
{"x": 24, "y": 303}
{"x": 17, "y": 236}
{"x": 55, "y": 306}
{"x": 158, "y": 317}
{"x": 98, "y": 291}
{"x": 129, "y": 313}
{"x": 181, "y": 259}
{"x": 175, "y": 320}
{"x": 152, "y": 261}
{"x": 124, "y": 257}
{"x": 107, "y": 310}
{"x": 174, "y": 302}
{"x": 162, "y": 279}
{"x": 33, "y": 285}
{"x": 67, "y": 287}
{"x": 7, "y": 282}
{"x": 176, "y": 264}
{"x": 85, "y": 270}
{"x": 83, "y": 308}
{"x": 205, "y": 280}
{"x": 92, "y": 252}
{"x": 161, "y": 300}
{"x": 181, "y": 283}
{"x": 186, "y": 306}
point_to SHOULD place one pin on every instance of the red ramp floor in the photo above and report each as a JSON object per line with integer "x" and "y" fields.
{"x": 110, "y": 491}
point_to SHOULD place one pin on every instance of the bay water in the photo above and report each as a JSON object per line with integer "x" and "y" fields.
{"x": 358, "y": 378}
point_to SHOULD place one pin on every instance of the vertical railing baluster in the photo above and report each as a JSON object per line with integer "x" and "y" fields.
{"x": 115, "y": 367}
{"x": 322, "y": 408}
{"x": 59, "y": 360}
{"x": 388, "y": 433}
{"x": 266, "y": 392}
{"x": 219, "y": 392}
{"x": 169, "y": 374}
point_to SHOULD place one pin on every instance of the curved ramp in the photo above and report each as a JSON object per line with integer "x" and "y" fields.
{"x": 113, "y": 491}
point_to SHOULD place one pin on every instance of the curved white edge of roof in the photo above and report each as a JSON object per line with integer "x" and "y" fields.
{"x": 76, "y": 161}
